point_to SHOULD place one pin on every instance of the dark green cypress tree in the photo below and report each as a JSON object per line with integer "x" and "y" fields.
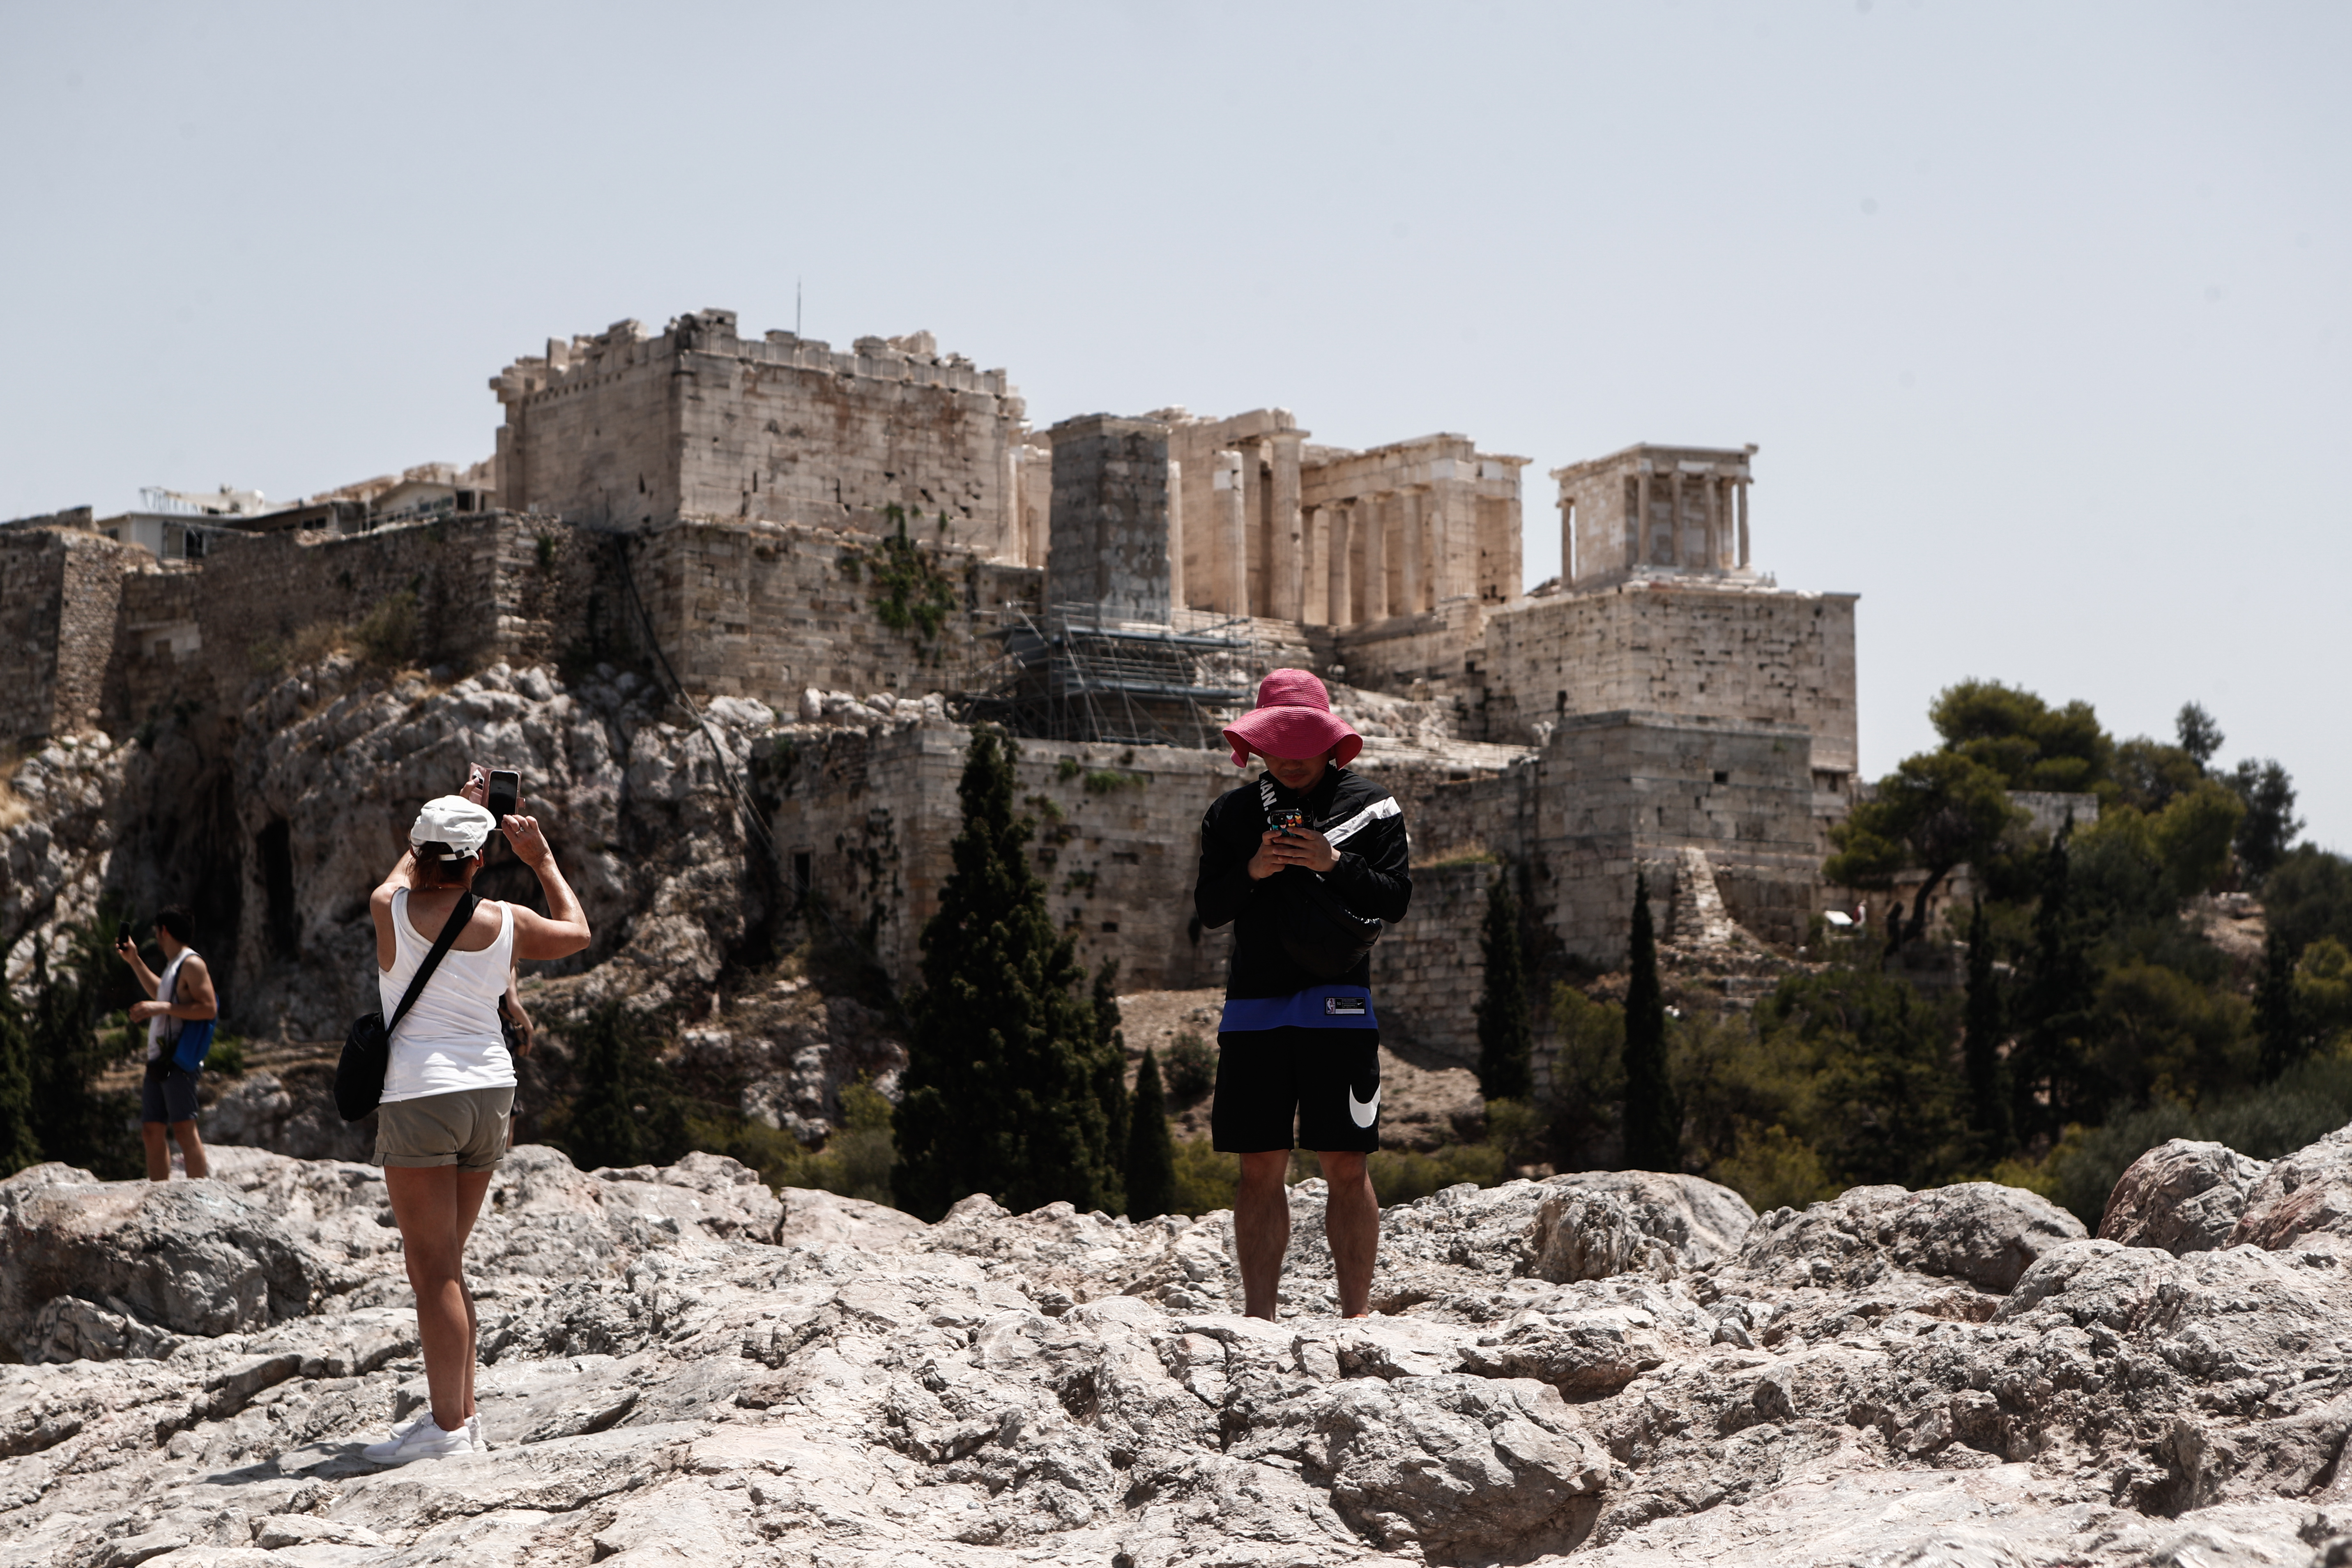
{"x": 1109, "y": 1071}
{"x": 2051, "y": 1081}
{"x": 1001, "y": 1095}
{"x": 1653, "y": 1122}
{"x": 1505, "y": 1039}
{"x": 1981, "y": 1044}
{"x": 626, "y": 1110}
{"x": 1151, "y": 1152}
{"x": 2275, "y": 1023}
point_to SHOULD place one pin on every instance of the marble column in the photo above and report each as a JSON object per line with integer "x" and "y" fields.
{"x": 1338, "y": 581}
{"x": 1740, "y": 492}
{"x": 1229, "y": 570}
{"x": 1286, "y": 586}
{"x": 1376, "y": 556}
{"x": 1643, "y": 547}
{"x": 1315, "y": 596}
{"x": 1255, "y": 564}
{"x": 1411, "y": 545}
{"x": 1714, "y": 523}
{"x": 1175, "y": 537}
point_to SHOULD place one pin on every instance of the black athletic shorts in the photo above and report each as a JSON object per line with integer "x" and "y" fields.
{"x": 169, "y": 1096}
{"x": 1328, "y": 1081}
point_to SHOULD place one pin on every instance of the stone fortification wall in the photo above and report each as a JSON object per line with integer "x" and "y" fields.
{"x": 1441, "y": 649}
{"x": 158, "y": 654}
{"x": 1118, "y": 844}
{"x": 60, "y": 596}
{"x": 1618, "y": 793}
{"x": 484, "y": 588}
{"x": 1611, "y": 794}
{"x": 767, "y": 610}
{"x": 1758, "y": 654}
{"x": 762, "y": 610}
{"x": 32, "y": 600}
{"x": 624, "y": 430}
{"x": 1427, "y": 969}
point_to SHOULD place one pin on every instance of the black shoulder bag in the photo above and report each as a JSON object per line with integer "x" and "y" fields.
{"x": 1322, "y": 935}
{"x": 367, "y": 1049}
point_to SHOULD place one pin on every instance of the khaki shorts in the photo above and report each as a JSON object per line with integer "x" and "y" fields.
{"x": 467, "y": 1128}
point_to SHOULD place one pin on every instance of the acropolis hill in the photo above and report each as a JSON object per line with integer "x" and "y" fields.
{"x": 772, "y": 519}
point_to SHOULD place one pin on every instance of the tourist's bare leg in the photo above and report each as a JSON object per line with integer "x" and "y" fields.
{"x": 425, "y": 1204}
{"x": 1262, "y": 1228}
{"x": 191, "y": 1149}
{"x": 471, "y": 1187}
{"x": 1351, "y": 1224}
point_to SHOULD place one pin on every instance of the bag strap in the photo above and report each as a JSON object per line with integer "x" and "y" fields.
{"x": 459, "y": 919}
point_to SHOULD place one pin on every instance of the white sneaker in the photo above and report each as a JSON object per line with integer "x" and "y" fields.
{"x": 400, "y": 1429}
{"x": 424, "y": 1440}
{"x": 474, "y": 1431}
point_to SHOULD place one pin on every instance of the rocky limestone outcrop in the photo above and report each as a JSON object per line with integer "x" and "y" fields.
{"x": 2182, "y": 1196}
{"x": 277, "y": 819}
{"x": 677, "y": 1367}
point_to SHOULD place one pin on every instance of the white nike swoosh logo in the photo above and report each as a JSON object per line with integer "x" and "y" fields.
{"x": 1362, "y": 1111}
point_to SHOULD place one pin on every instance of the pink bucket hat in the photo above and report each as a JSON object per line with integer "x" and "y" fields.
{"x": 1293, "y": 718}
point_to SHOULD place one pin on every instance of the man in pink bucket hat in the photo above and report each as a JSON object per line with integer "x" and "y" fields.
{"x": 1306, "y": 862}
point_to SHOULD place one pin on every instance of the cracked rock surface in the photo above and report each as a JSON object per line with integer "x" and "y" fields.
{"x": 1625, "y": 1369}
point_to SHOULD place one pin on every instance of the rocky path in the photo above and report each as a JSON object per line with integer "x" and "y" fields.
{"x": 1633, "y": 1369}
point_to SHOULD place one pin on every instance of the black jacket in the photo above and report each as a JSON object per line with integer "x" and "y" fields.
{"x": 1374, "y": 876}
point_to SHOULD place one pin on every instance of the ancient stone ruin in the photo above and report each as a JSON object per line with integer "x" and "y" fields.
{"x": 830, "y": 535}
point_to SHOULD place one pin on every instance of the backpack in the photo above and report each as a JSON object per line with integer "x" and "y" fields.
{"x": 367, "y": 1047}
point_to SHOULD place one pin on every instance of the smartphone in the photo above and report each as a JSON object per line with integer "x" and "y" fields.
{"x": 122, "y": 933}
{"x": 1287, "y": 819}
{"x": 506, "y": 793}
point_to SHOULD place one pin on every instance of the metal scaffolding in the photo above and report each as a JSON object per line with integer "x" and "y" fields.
{"x": 1084, "y": 676}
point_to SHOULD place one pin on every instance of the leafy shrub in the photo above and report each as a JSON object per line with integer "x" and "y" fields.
{"x": 855, "y": 1162}
{"x": 1191, "y": 1065}
{"x": 2307, "y": 1103}
{"x": 627, "y": 1111}
{"x": 226, "y": 1056}
{"x": 1110, "y": 781}
{"x": 1206, "y": 1180}
{"x": 1401, "y": 1175}
{"x": 386, "y": 634}
{"x": 1772, "y": 1169}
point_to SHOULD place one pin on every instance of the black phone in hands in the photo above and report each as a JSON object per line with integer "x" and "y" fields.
{"x": 505, "y": 794}
{"x": 1287, "y": 819}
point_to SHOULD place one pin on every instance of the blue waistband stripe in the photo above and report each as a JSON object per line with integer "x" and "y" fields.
{"x": 1317, "y": 1007}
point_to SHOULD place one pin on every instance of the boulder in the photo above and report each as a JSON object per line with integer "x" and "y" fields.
{"x": 2181, "y": 1196}
{"x": 2303, "y": 1200}
{"x": 1701, "y": 1223}
{"x": 1976, "y": 1232}
{"x": 189, "y": 1257}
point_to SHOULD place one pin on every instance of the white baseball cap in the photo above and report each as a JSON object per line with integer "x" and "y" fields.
{"x": 454, "y": 820}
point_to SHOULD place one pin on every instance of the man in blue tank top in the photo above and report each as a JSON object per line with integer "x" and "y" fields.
{"x": 1305, "y": 862}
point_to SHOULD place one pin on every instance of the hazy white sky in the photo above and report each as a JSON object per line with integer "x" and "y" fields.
{"x": 2038, "y": 312}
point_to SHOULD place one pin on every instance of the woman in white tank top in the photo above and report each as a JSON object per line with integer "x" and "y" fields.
{"x": 449, "y": 1090}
